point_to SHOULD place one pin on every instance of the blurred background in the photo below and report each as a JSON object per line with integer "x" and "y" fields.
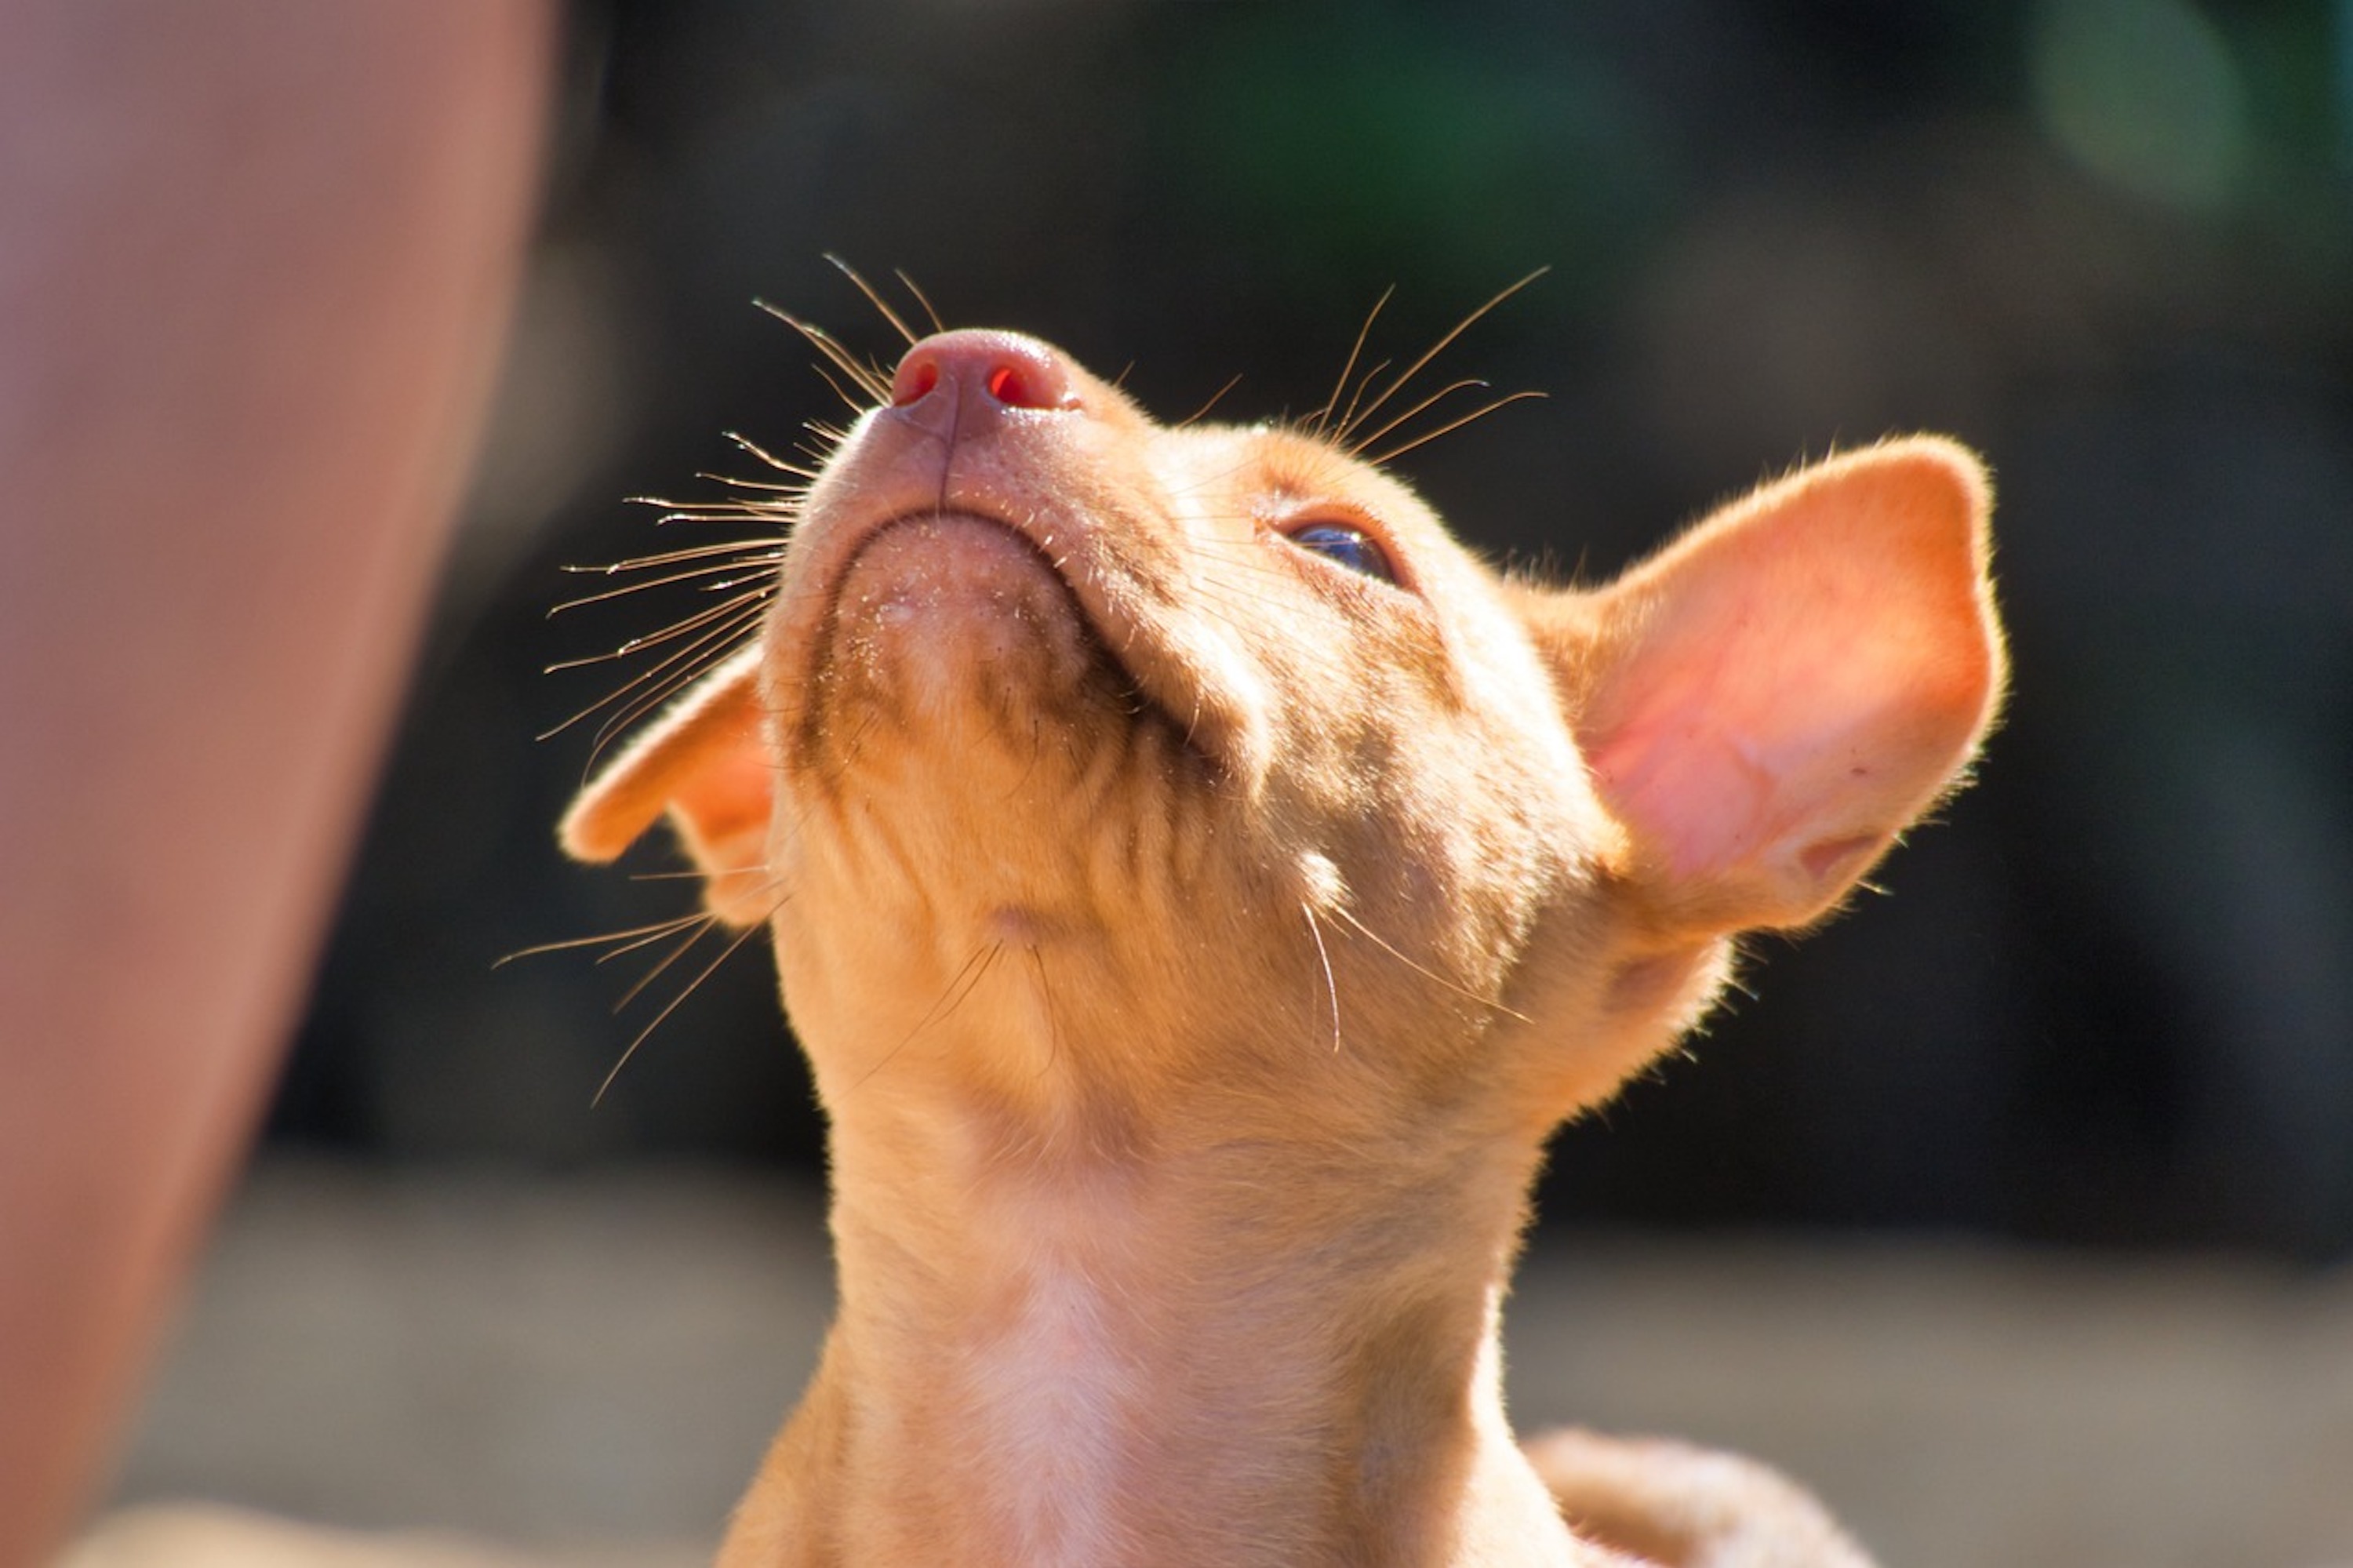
{"x": 2105, "y": 1007}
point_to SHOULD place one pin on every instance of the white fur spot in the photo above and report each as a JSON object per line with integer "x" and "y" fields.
{"x": 1053, "y": 1393}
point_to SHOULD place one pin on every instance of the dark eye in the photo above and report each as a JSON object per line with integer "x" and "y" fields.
{"x": 1351, "y": 548}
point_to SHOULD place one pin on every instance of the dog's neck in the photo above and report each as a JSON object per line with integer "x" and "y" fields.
{"x": 1138, "y": 1262}
{"x": 1069, "y": 1345}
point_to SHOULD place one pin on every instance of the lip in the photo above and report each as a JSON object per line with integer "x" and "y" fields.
{"x": 943, "y": 552}
{"x": 810, "y": 634}
{"x": 856, "y": 542}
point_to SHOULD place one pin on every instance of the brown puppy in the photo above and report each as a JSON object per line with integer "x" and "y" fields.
{"x": 1201, "y": 886}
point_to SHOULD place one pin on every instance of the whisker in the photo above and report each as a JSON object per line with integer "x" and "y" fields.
{"x": 634, "y": 937}
{"x": 773, "y": 512}
{"x": 769, "y": 556}
{"x": 1379, "y": 459}
{"x": 1198, "y": 415}
{"x": 1357, "y": 444}
{"x": 848, "y": 398}
{"x": 1053, "y": 1019}
{"x": 746, "y": 444}
{"x": 791, "y": 491}
{"x": 672, "y": 673}
{"x": 692, "y": 985}
{"x": 669, "y": 633}
{"x": 868, "y": 378}
{"x": 909, "y": 284}
{"x": 1319, "y": 421}
{"x": 1435, "y": 349}
{"x": 693, "y": 930}
{"x": 703, "y": 924}
{"x": 692, "y": 662}
{"x": 761, "y": 590}
{"x": 1338, "y": 434}
{"x": 874, "y": 298}
{"x": 671, "y": 558}
{"x": 967, "y": 977}
{"x": 1331, "y": 989}
{"x": 1427, "y": 973}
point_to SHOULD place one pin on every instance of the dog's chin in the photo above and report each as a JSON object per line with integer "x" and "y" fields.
{"x": 951, "y": 639}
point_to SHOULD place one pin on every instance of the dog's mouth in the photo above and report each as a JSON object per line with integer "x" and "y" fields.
{"x": 956, "y": 623}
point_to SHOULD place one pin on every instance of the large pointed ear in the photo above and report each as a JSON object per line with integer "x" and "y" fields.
{"x": 705, "y": 762}
{"x": 1770, "y": 700}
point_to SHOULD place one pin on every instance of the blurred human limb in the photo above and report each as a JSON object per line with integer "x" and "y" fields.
{"x": 255, "y": 264}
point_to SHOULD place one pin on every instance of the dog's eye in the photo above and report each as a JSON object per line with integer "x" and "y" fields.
{"x": 1351, "y": 548}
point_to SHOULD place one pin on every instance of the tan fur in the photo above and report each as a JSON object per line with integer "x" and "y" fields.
{"x": 1195, "y": 941}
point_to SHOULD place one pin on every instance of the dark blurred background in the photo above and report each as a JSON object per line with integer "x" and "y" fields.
{"x": 2109, "y": 1000}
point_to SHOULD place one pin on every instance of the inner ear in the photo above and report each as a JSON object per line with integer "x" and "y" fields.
{"x": 1770, "y": 700}
{"x": 706, "y": 764}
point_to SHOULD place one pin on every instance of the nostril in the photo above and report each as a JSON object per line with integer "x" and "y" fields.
{"x": 1014, "y": 372}
{"x": 1005, "y": 384}
{"x": 916, "y": 379}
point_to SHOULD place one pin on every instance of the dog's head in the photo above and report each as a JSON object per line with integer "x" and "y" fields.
{"x": 1200, "y": 764}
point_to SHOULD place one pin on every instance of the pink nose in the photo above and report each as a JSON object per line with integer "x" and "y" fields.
{"x": 1005, "y": 368}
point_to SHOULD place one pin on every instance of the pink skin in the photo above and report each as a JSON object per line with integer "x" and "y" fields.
{"x": 254, "y": 272}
